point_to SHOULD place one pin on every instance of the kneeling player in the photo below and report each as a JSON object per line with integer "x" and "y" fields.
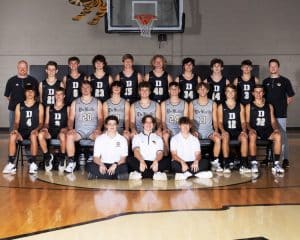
{"x": 262, "y": 124}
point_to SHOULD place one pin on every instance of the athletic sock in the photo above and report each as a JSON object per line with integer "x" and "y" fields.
{"x": 11, "y": 159}
{"x": 277, "y": 157}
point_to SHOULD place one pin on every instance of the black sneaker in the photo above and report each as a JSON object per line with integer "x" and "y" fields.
{"x": 285, "y": 164}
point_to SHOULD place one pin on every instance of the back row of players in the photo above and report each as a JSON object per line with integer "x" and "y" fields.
{"x": 209, "y": 119}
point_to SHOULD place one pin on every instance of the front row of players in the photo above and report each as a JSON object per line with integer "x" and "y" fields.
{"x": 173, "y": 121}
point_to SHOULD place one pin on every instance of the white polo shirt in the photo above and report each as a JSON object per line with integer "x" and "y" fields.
{"x": 110, "y": 149}
{"x": 149, "y": 145}
{"x": 185, "y": 147}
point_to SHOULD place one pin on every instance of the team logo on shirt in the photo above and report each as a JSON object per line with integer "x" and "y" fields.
{"x": 278, "y": 84}
{"x": 153, "y": 141}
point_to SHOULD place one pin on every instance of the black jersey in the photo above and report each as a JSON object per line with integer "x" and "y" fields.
{"x": 232, "y": 119}
{"x": 73, "y": 88}
{"x": 244, "y": 90}
{"x": 48, "y": 92}
{"x": 188, "y": 88}
{"x": 29, "y": 117}
{"x": 159, "y": 87}
{"x": 57, "y": 119}
{"x": 101, "y": 88}
{"x": 217, "y": 90}
{"x": 129, "y": 86}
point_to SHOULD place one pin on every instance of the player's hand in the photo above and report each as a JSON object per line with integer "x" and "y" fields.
{"x": 154, "y": 166}
{"x": 102, "y": 169}
{"x": 184, "y": 166}
{"x": 14, "y": 132}
{"x": 215, "y": 134}
{"x": 44, "y": 130}
{"x": 143, "y": 166}
{"x": 196, "y": 134}
{"x": 252, "y": 131}
{"x": 112, "y": 169}
{"x": 276, "y": 130}
{"x": 34, "y": 132}
{"x": 195, "y": 166}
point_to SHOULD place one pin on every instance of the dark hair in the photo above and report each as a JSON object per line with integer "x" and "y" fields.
{"x": 173, "y": 83}
{"x": 246, "y": 62}
{"x": 231, "y": 86}
{"x": 144, "y": 84}
{"x": 87, "y": 82}
{"x": 29, "y": 87}
{"x": 111, "y": 118}
{"x": 148, "y": 116}
{"x": 51, "y": 63}
{"x": 203, "y": 84}
{"x": 188, "y": 60}
{"x": 215, "y": 61}
{"x": 184, "y": 120}
{"x": 60, "y": 89}
{"x": 258, "y": 86}
{"x": 127, "y": 56}
{"x": 99, "y": 58}
{"x": 275, "y": 61}
{"x": 71, "y": 59}
{"x": 116, "y": 84}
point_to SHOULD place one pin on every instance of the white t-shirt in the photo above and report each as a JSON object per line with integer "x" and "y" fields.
{"x": 110, "y": 149}
{"x": 185, "y": 148}
{"x": 149, "y": 145}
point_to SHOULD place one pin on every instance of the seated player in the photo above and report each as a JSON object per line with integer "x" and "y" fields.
{"x": 143, "y": 107}
{"x": 129, "y": 79}
{"x": 186, "y": 154}
{"x": 110, "y": 152}
{"x": 29, "y": 116}
{"x": 232, "y": 124}
{"x": 159, "y": 79}
{"x": 188, "y": 80}
{"x": 55, "y": 127}
{"x": 203, "y": 113}
{"x": 148, "y": 161}
{"x": 86, "y": 114}
{"x": 171, "y": 111}
{"x": 262, "y": 124}
{"x": 119, "y": 107}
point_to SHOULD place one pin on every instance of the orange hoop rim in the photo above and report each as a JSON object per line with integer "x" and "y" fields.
{"x": 144, "y": 19}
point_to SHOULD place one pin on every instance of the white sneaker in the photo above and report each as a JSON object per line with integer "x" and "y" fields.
{"x": 48, "y": 163}
{"x": 216, "y": 166}
{"x": 277, "y": 169}
{"x": 33, "y": 168}
{"x": 160, "y": 176}
{"x": 254, "y": 167}
{"x": 90, "y": 159}
{"x": 226, "y": 170}
{"x": 135, "y": 175}
{"x": 244, "y": 170}
{"x": 70, "y": 168}
{"x": 187, "y": 174}
{"x": 180, "y": 177}
{"x": 9, "y": 168}
{"x": 62, "y": 165}
{"x": 204, "y": 174}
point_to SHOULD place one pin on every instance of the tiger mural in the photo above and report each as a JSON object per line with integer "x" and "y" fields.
{"x": 88, "y": 7}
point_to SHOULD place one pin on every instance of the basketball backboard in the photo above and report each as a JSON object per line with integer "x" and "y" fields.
{"x": 121, "y": 15}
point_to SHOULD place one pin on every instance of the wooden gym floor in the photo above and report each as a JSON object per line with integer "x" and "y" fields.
{"x": 264, "y": 208}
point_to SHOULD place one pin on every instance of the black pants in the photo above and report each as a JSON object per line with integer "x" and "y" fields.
{"x": 134, "y": 165}
{"x": 93, "y": 168}
{"x": 203, "y": 165}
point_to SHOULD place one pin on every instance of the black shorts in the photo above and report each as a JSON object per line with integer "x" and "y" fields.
{"x": 25, "y": 133}
{"x": 265, "y": 134}
{"x": 234, "y": 134}
{"x": 54, "y": 133}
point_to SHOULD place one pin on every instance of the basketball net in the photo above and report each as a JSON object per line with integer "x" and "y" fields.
{"x": 145, "y": 22}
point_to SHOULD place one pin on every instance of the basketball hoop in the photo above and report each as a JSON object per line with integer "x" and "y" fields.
{"x": 145, "y": 22}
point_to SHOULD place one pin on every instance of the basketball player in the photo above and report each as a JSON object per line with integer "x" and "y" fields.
{"x": 143, "y": 107}
{"x": 86, "y": 113}
{"x": 186, "y": 154}
{"x": 55, "y": 127}
{"x": 147, "y": 146}
{"x": 119, "y": 107}
{"x": 279, "y": 93}
{"x": 262, "y": 124}
{"x": 217, "y": 81}
{"x": 110, "y": 152}
{"x": 129, "y": 79}
{"x": 73, "y": 80}
{"x": 203, "y": 112}
{"x": 232, "y": 124}
{"x": 100, "y": 79}
{"x": 245, "y": 83}
{"x": 48, "y": 86}
{"x": 188, "y": 80}
{"x": 29, "y": 116}
{"x": 171, "y": 111}
{"x": 159, "y": 79}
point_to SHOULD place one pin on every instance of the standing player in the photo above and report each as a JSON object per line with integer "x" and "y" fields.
{"x": 279, "y": 93}
{"x": 262, "y": 124}
{"x": 171, "y": 111}
{"x": 14, "y": 90}
{"x": 48, "y": 86}
{"x": 55, "y": 127}
{"x": 217, "y": 81}
{"x": 100, "y": 79}
{"x": 143, "y": 107}
{"x": 159, "y": 79}
{"x": 29, "y": 116}
{"x": 245, "y": 83}
{"x": 73, "y": 80}
{"x": 119, "y": 107}
{"x": 203, "y": 112}
{"x": 232, "y": 124}
{"x": 188, "y": 81}
{"x": 129, "y": 79}
{"x": 86, "y": 113}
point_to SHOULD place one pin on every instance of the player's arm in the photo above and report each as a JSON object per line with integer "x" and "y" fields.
{"x": 177, "y": 79}
{"x": 198, "y": 79}
{"x": 47, "y": 116}
{"x": 64, "y": 80}
{"x": 186, "y": 109}
{"x": 71, "y": 116}
{"x": 110, "y": 80}
{"x": 41, "y": 91}
{"x": 117, "y": 77}
{"x": 17, "y": 118}
{"x": 247, "y": 114}
{"x": 205, "y": 80}
{"x": 170, "y": 79}
{"x": 105, "y": 110}
{"x": 215, "y": 117}
{"x": 132, "y": 119}
{"x": 243, "y": 120}
{"x": 227, "y": 82}
{"x": 274, "y": 122}
{"x": 220, "y": 119}
{"x": 191, "y": 117}
{"x": 256, "y": 80}
{"x": 235, "y": 82}
{"x": 100, "y": 116}
{"x": 146, "y": 78}
{"x": 163, "y": 116}
{"x": 139, "y": 77}
{"x": 158, "y": 117}
{"x": 62, "y": 84}
{"x": 127, "y": 116}
{"x": 41, "y": 119}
